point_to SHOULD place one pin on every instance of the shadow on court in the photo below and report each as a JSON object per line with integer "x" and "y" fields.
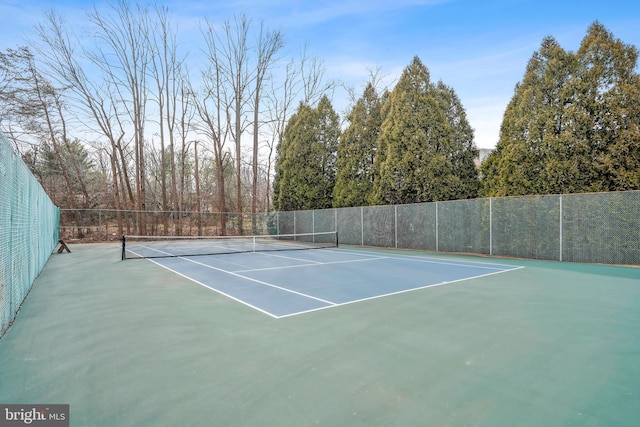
{"x": 132, "y": 344}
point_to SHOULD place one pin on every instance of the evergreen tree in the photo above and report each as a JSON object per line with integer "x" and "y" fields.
{"x": 609, "y": 87}
{"x": 306, "y": 163}
{"x": 356, "y": 151}
{"x": 572, "y": 124}
{"x": 425, "y": 145}
{"x": 460, "y": 151}
{"x": 534, "y": 118}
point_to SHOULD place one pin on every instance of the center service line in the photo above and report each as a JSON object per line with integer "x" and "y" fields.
{"x": 260, "y": 282}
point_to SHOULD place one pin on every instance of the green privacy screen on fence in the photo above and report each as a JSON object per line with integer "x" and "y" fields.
{"x": 590, "y": 227}
{"x": 29, "y": 224}
{"x": 593, "y": 228}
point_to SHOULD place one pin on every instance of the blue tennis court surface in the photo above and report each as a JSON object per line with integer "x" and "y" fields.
{"x": 287, "y": 283}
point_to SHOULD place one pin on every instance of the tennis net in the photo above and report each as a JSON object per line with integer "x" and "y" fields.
{"x": 179, "y": 246}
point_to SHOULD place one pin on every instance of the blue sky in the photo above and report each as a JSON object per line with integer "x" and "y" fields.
{"x": 480, "y": 48}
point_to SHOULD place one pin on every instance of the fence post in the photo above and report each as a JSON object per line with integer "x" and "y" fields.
{"x": 361, "y": 226}
{"x": 437, "y": 232}
{"x": 560, "y": 219}
{"x": 490, "y": 226}
{"x": 395, "y": 223}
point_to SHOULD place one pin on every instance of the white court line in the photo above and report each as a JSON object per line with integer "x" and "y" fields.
{"x": 146, "y": 247}
{"x": 288, "y": 257}
{"x": 259, "y": 281}
{"x": 404, "y": 291}
{"x": 370, "y": 257}
{"x": 224, "y": 261}
{"x": 315, "y": 263}
{"x": 428, "y": 260}
{"x": 214, "y": 289}
{"x": 467, "y": 264}
{"x": 242, "y": 277}
{"x": 275, "y": 255}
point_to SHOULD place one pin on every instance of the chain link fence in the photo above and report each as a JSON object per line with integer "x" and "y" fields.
{"x": 592, "y": 228}
{"x": 28, "y": 231}
{"x": 101, "y": 225}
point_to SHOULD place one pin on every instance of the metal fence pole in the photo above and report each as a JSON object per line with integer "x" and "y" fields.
{"x": 395, "y": 223}
{"x": 361, "y": 226}
{"x": 560, "y": 237}
{"x": 437, "y": 233}
{"x": 490, "y": 226}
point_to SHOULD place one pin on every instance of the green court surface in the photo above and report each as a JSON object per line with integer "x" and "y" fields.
{"x": 128, "y": 343}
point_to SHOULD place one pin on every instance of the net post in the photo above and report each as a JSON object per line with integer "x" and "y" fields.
{"x": 123, "y": 240}
{"x": 337, "y": 245}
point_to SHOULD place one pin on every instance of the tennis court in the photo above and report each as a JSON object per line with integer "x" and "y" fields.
{"x": 284, "y": 282}
{"x": 129, "y": 343}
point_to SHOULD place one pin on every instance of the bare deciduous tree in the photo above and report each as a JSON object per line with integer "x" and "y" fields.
{"x": 122, "y": 80}
{"x": 166, "y": 73}
{"x": 268, "y": 44}
{"x": 123, "y": 55}
{"x": 212, "y": 107}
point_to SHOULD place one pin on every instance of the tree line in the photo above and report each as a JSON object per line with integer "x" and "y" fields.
{"x": 110, "y": 113}
{"x": 122, "y": 122}
{"x": 412, "y": 144}
{"x": 572, "y": 126}
{"x": 573, "y": 123}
